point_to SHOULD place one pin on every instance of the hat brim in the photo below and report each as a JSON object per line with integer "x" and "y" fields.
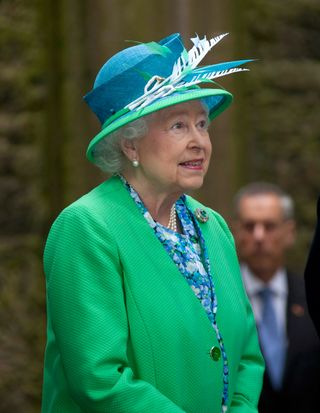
{"x": 217, "y": 100}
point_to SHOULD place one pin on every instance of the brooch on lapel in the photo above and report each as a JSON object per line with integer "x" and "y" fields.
{"x": 201, "y": 215}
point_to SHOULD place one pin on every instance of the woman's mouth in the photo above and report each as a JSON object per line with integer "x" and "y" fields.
{"x": 195, "y": 164}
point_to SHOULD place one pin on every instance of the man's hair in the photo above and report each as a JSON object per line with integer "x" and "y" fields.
{"x": 264, "y": 188}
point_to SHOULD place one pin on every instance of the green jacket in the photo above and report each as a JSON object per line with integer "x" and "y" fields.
{"x": 125, "y": 332}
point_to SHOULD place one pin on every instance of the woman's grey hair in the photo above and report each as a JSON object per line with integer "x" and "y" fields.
{"x": 262, "y": 188}
{"x": 108, "y": 154}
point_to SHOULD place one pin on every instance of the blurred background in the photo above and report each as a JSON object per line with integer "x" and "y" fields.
{"x": 50, "y": 53}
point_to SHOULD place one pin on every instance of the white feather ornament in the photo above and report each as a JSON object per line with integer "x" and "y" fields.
{"x": 184, "y": 73}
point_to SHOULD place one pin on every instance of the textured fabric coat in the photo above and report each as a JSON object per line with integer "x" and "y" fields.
{"x": 125, "y": 332}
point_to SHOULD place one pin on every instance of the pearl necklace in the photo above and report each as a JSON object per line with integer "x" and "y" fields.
{"x": 172, "y": 224}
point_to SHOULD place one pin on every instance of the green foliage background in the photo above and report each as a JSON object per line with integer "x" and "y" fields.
{"x": 50, "y": 52}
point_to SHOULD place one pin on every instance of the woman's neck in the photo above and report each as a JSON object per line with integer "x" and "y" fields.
{"x": 158, "y": 203}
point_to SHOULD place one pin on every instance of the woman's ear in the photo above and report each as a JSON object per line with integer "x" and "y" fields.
{"x": 128, "y": 147}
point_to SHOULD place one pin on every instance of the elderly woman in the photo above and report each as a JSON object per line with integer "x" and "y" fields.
{"x": 146, "y": 307}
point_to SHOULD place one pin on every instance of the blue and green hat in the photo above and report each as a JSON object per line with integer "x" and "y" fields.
{"x": 147, "y": 77}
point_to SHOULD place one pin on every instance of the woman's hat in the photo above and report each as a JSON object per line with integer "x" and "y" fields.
{"x": 147, "y": 77}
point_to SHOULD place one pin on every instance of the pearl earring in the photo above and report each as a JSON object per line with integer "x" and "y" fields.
{"x": 135, "y": 163}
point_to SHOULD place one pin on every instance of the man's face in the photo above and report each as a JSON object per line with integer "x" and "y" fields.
{"x": 262, "y": 234}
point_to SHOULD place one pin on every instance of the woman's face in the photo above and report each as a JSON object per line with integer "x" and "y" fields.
{"x": 174, "y": 155}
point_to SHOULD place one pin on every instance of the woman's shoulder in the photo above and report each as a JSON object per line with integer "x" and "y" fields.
{"x": 95, "y": 205}
{"x": 101, "y": 197}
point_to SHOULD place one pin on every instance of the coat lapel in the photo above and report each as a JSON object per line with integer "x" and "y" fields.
{"x": 225, "y": 272}
{"x": 133, "y": 233}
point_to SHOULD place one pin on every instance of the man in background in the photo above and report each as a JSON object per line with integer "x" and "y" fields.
{"x": 264, "y": 228}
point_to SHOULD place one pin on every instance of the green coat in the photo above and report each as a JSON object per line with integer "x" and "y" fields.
{"x": 125, "y": 332}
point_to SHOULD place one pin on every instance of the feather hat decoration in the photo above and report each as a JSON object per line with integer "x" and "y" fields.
{"x": 185, "y": 74}
{"x": 148, "y": 77}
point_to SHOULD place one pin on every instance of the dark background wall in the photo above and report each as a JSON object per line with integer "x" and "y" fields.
{"x": 50, "y": 52}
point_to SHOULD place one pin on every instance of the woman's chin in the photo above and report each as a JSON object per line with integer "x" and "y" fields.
{"x": 192, "y": 184}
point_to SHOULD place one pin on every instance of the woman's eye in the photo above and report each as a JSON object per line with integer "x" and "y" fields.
{"x": 178, "y": 126}
{"x": 203, "y": 124}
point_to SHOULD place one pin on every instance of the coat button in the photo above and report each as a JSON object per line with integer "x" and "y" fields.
{"x": 215, "y": 353}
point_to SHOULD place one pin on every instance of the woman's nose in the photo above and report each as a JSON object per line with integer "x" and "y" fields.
{"x": 198, "y": 137}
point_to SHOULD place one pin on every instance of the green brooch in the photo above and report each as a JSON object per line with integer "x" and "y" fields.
{"x": 201, "y": 215}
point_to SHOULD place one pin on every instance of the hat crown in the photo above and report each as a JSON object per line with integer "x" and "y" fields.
{"x": 123, "y": 77}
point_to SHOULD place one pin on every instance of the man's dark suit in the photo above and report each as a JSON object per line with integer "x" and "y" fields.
{"x": 312, "y": 276}
{"x": 301, "y": 385}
